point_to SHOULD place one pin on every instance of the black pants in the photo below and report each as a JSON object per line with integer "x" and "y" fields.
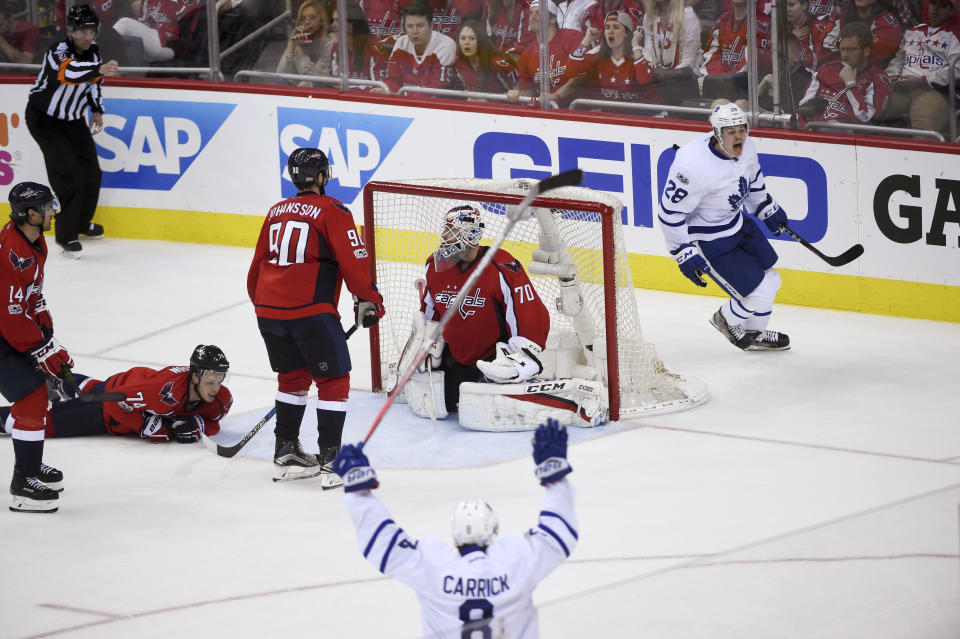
{"x": 454, "y": 374}
{"x": 72, "y": 167}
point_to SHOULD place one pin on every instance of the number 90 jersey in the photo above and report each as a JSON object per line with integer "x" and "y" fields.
{"x": 471, "y": 593}
{"x": 308, "y": 244}
{"x": 707, "y": 193}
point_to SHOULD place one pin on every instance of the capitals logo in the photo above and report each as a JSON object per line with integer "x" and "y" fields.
{"x": 20, "y": 263}
{"x": 446, "y": 300}
{"x": 736, "y": 200}
{"x": 166, "y": 395}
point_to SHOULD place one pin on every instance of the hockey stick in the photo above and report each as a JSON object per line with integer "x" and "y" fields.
{"x": 88, "y": 398}
{"x": 846, "y": 257}
{"x": 567, "y": 178}
{"x": 230, "y": 451}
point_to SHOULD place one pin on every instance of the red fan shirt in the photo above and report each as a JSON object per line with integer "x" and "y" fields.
{"x": 819, "y": 45}
{"x": 500, "y": 76}
{"x": 21, "y": 276}
{"x": 372, "y": 64}
{"x": 307, "y": 246}
{"x": 163, "y": 392}
{"x": 562, "y": 45}
{"x": 858, "y": 104}
{"x": 509, "y": 30}
{"x": 886, "y": 31}
{"x": 727, "y": 51}
{"x": 626, "y": 80}
{"x": 502, "y": 304}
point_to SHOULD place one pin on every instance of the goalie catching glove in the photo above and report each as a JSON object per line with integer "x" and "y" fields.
{"x": 516, "y": 361}
{"x": 354, "y": 468}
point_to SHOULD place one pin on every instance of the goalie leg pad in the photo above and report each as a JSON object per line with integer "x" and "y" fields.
{"x": 424, "y": 400}
{"x": 513, "y": 407}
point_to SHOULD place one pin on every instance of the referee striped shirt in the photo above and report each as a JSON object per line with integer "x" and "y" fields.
{"x": 69, "y": 82}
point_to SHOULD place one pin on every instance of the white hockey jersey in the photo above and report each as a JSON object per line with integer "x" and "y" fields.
{"x": 707, "y": 193}
{"x": 925, "y": 52}
{"x": 455, "y": 589}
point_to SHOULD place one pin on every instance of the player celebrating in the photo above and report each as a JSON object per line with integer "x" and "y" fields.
{"x": 504, "y": 307}
{"x": 483, "y": 585}
{"x": 307, "y": 245}
{"x": 712, "y": 183}
{"x": 175, "y": 403}
{"x": 28, "y": 350}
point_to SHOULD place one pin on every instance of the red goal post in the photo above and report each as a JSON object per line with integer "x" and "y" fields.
{"x": 401, "y": 229}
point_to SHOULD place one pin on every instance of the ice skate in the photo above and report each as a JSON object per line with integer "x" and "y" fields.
{"x": 328, "y": 479}
{"x": 52, "y": 477}
{"x": 30, "y": 495}
{"x": 768, "y": 341}
{"x": 736, "y": 334}
{"x": 291, "y": 463}
{"x": 93, "y": 232}
{"x": 71, "y": 249}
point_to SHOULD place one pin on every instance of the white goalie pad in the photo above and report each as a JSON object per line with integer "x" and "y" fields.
{"x": 424, "y": 395}
{"x": 513, "y": 407}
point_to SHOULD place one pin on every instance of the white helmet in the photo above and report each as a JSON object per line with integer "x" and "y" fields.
{"x": 461, "y": 231}
{"x": 727, "y": 115}
{"x": 474, "y": 523}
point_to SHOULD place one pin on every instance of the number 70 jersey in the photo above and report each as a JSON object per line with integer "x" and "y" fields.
{"x": 307, "y": 245}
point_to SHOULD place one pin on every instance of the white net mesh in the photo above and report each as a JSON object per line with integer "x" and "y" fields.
{"x": 406, "y": 221}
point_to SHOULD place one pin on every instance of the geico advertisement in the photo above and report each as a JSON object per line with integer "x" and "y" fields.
{"x": 227, "y": 152}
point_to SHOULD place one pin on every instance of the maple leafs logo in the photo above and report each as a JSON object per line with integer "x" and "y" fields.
{"x": 736, "y": 200}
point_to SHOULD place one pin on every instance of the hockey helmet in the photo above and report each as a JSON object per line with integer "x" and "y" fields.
{"x": 209, "y": 359}
{"x": 462, "y": 230}
{"x": 26, "y": 196}
{"x": 306, "y": 166}
{"x": 82, "y": 16}
{"x": 474, "y": 524}
{"x": 725, "y": 115}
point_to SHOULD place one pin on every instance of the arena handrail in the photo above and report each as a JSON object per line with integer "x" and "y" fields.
{"x": 872, "y": 128}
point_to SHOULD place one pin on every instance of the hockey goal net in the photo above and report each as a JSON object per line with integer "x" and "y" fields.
{"x": 401, "y": 229}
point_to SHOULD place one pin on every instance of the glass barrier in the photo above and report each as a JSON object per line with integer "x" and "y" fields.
{"x": 840, "y": 66}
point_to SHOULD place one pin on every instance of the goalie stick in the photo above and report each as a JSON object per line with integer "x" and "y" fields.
{"x": 846, "y": 257}
{"x": 88, "y": 398}
{"x": 230, "y": 451}
{"x": 567, "y": 178}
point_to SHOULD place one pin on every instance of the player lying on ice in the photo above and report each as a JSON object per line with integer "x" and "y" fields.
{"x": 483, "y": 585}
{"x": 176, "y": 403}
{"x": 713, "y": 196}
{"x": 496, "y": 337}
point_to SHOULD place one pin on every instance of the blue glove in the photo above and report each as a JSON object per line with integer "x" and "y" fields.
{"x": 691, "y": 263}
{"x": 550, "y": 452}
{"x": 354, "y": 468}
{"x": 773, "y": 218}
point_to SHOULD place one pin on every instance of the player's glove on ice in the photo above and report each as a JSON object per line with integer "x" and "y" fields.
{"x": 773, "y": 217}
{"x": 155, "y": 428}
{"x": 550, "y": 452}
{"x": 367, "y": 313}
{"x": 185, "y": 430}
{"x": 691, "y": 263}
{"x": 51, "y": 357}
{"x": 354, "y": 468}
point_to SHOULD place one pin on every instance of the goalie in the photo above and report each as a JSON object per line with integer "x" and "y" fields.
{"x": 498, "y": 332}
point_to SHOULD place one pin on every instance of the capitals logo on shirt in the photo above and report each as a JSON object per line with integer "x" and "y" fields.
{"x": 166, "y": 395}
{"x": 20, "y": 263}
{"x": 736, "y": 200}
{"x": 445, "y": 299}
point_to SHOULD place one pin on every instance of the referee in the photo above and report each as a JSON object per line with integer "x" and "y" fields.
{"x": 68, "y": 83}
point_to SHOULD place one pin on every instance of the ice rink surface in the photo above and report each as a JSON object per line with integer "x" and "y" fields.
{"x": 816, "y": 494}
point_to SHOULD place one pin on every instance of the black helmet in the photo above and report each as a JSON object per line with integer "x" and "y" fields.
{"x": 306, "y": 166}
{"x": 82, "y": 16}
{"x": 208, "y": 358}
{"x": 26, "y": 196}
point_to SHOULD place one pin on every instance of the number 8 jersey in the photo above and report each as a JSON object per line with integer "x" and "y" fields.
{"x": 309, "y": 243}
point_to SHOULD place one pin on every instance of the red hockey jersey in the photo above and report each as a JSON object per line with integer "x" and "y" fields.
{"x": 887, "y": 33}
{"x": 624, "y": 81}
{"x": 856, "y": 105}
{"x": 428, "y": 70}
{"x": 562, "y": 45}
{"x": 509, "y": 30}
{"x": 386, "y": 21}
{"x": 819, "y": 46}
{"x": 371, "y": 65}
{"x": 21, "y": 275}
{"x": 163, "y": 15}
{"x": 727, "y": 51}
{"x": 162, "y": 392}
{"x": 307, "y": 246}
{"x": 502, "y": 305}
{"x": 500, "y": 76}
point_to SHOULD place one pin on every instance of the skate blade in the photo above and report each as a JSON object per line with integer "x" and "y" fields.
{"x": 330, "y": 481}
{"x": 284, "y": 475}
{"x": 24, "y": 505}
{"x": 54, "y": 485}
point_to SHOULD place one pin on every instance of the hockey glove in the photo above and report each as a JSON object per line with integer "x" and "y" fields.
{"x": 51, "y": 357}
{"x": 186, "y": 430}
{"x": 155, "y": 429}
{"x": 550, "y": 452}
{"x": 773, "y": 217}
{"x": 691, "y": 263}
{"x": 354, "y": 468}
{"x": 367, "y": 313}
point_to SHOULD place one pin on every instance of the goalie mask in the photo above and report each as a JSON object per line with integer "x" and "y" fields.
{"x": 461, "y": 231}
{"x": 474, "y": 524}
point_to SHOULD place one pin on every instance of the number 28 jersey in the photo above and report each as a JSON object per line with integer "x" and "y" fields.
{"x": 308, "y": 244}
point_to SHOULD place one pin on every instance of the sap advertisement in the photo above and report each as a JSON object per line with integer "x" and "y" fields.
{"x": 226, "y": 153}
